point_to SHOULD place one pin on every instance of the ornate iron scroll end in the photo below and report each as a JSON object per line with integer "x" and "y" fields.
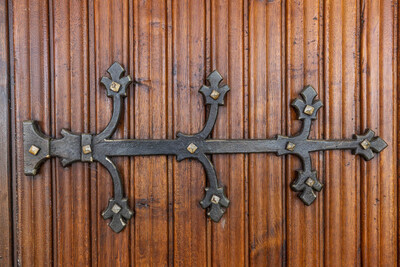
{"x": 119, "y": 212}
{"x": 116, "y": 86}
{"x": 369, "y": 145}
{"x": 215, "y": 93}
{"x": 36, "y": 147}
{"x": 307, "y": 184}
{"x": 216, "y": 202}
{"x": 307, "y": 108}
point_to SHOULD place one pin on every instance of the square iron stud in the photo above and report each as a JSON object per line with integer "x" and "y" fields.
{"x": 214, "y": 94}
{"x": 309, "y": 110}
{"x": 115, "y": 86}
{"x": 310, "y": 182}
{"x": 116, "y": 208}
{"x": 215, "y": 199}
{"x": 192, "y": 148}
{"x": 34, "y": 150}
{"x": 365, "y": 144}
{"x": 86, "y": 149}
{"x": 290, "y": 146}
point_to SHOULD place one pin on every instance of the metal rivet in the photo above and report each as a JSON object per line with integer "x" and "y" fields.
{"x": 34, "y": 150}
{"x": 192, "y": 148}
{"x": 365, "y": 144}
{"x": 86, "y": 149}
{"x": 290, "y": 146}
{"x": 215, "y": 199}
{"x": 115, "y": 86}
{"x": 116, "y": 208}
{"x": 214, "y": 94}
{"x": 309, "y": 110}
{"x": 310, "y": 182}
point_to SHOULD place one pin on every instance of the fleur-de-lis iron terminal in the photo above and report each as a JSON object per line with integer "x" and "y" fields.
{"x": 100, "y": 148}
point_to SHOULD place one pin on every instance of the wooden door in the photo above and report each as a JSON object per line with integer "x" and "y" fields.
{"x": 52, "y": 56}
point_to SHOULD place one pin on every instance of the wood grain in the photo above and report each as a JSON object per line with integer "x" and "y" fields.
{"x": 188, "y": 73}
{"x": 266, "y": 99}
{"x": 378, "y": 111}
{"x": 70, "y": 95}
{"x": 304, "y": 225}
{"x": 342, "y": 216}
{"x": 110, "y": 45}
{"x": 267, "y": 51}
{"x": 6, "y": 235}
{"x": 149, "y": 110}
{"x": 32, "y": 98}
{"x": 227, "y": 46}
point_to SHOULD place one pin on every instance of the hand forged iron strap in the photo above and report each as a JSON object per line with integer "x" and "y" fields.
{"x": 100, "y": 148}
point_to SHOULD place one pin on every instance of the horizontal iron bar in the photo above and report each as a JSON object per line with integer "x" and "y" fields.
{"x": 135, "y": 147}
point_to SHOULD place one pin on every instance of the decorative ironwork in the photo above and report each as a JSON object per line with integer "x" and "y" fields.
{"x": 100, "y": 148}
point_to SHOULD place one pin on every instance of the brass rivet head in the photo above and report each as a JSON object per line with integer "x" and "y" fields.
{"x": 215, "y": 199}
{"x": 214, "y": 94}
{"x": 86, "y": 149}
{"x": 310, "y": 182}
{"x": 115, "y": 86}
{"x": 34, "y": 150}
{"x": 309, "y": 110}
{"x": 365, "y": 144}
{"x": 192, "y": 148}
{"x": 290, "y": 146}
{"x": 116, "y": 208}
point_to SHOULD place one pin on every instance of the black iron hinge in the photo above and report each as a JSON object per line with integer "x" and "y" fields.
{"x": 101, "y": 148}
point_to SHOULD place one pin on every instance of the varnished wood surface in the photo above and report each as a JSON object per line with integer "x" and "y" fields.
{"x": 267, "y": 51}
{"x": 5, "y": 134}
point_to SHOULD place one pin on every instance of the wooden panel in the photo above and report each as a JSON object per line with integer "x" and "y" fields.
{"x": 267, "y": 52}
{"x": 5, "y": 163}
{"x": 228, "y": 56}
{"x": 266, "y": 119}
{"x": 378, "y": 112}
{"x": 342, "y": 191}
{"x": 33, "y": 195}
{"x": 111, "y": 33}
{"x": 188, "y": 73}
{"x": 151, "y": 184}
{"x": 303, "y": 66}
{"x": 70, "y": 97}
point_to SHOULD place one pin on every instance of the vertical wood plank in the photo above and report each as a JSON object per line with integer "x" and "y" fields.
{"x": 342, "y": 216}
{"x": 33, "y": 200}
{"x": 228, "y": 55}
{"x": 150, "y": 173}
{"x": 111, "y": 22}
{"x": 303, "y": 50}
{"x": 266, "y": 100}
{"x": 71, "y": 91}
{"x": 188, "y": 74}
{"x": 6, "y": 244}
{"x": 378, "y": 109}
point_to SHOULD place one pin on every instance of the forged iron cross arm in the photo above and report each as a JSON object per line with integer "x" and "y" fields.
{"x": 88, "y": 148}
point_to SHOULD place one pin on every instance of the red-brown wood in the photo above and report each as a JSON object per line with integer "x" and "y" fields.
{"x": 342, "y": 71}
{"x": 6, "y": 235}
{"x": 267, "y": 51}
{"x": 188, "y": 58}
{"x": 266, "y": 119}
{"x": 227, "y": 39}
{"x": 304, "y": 40}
